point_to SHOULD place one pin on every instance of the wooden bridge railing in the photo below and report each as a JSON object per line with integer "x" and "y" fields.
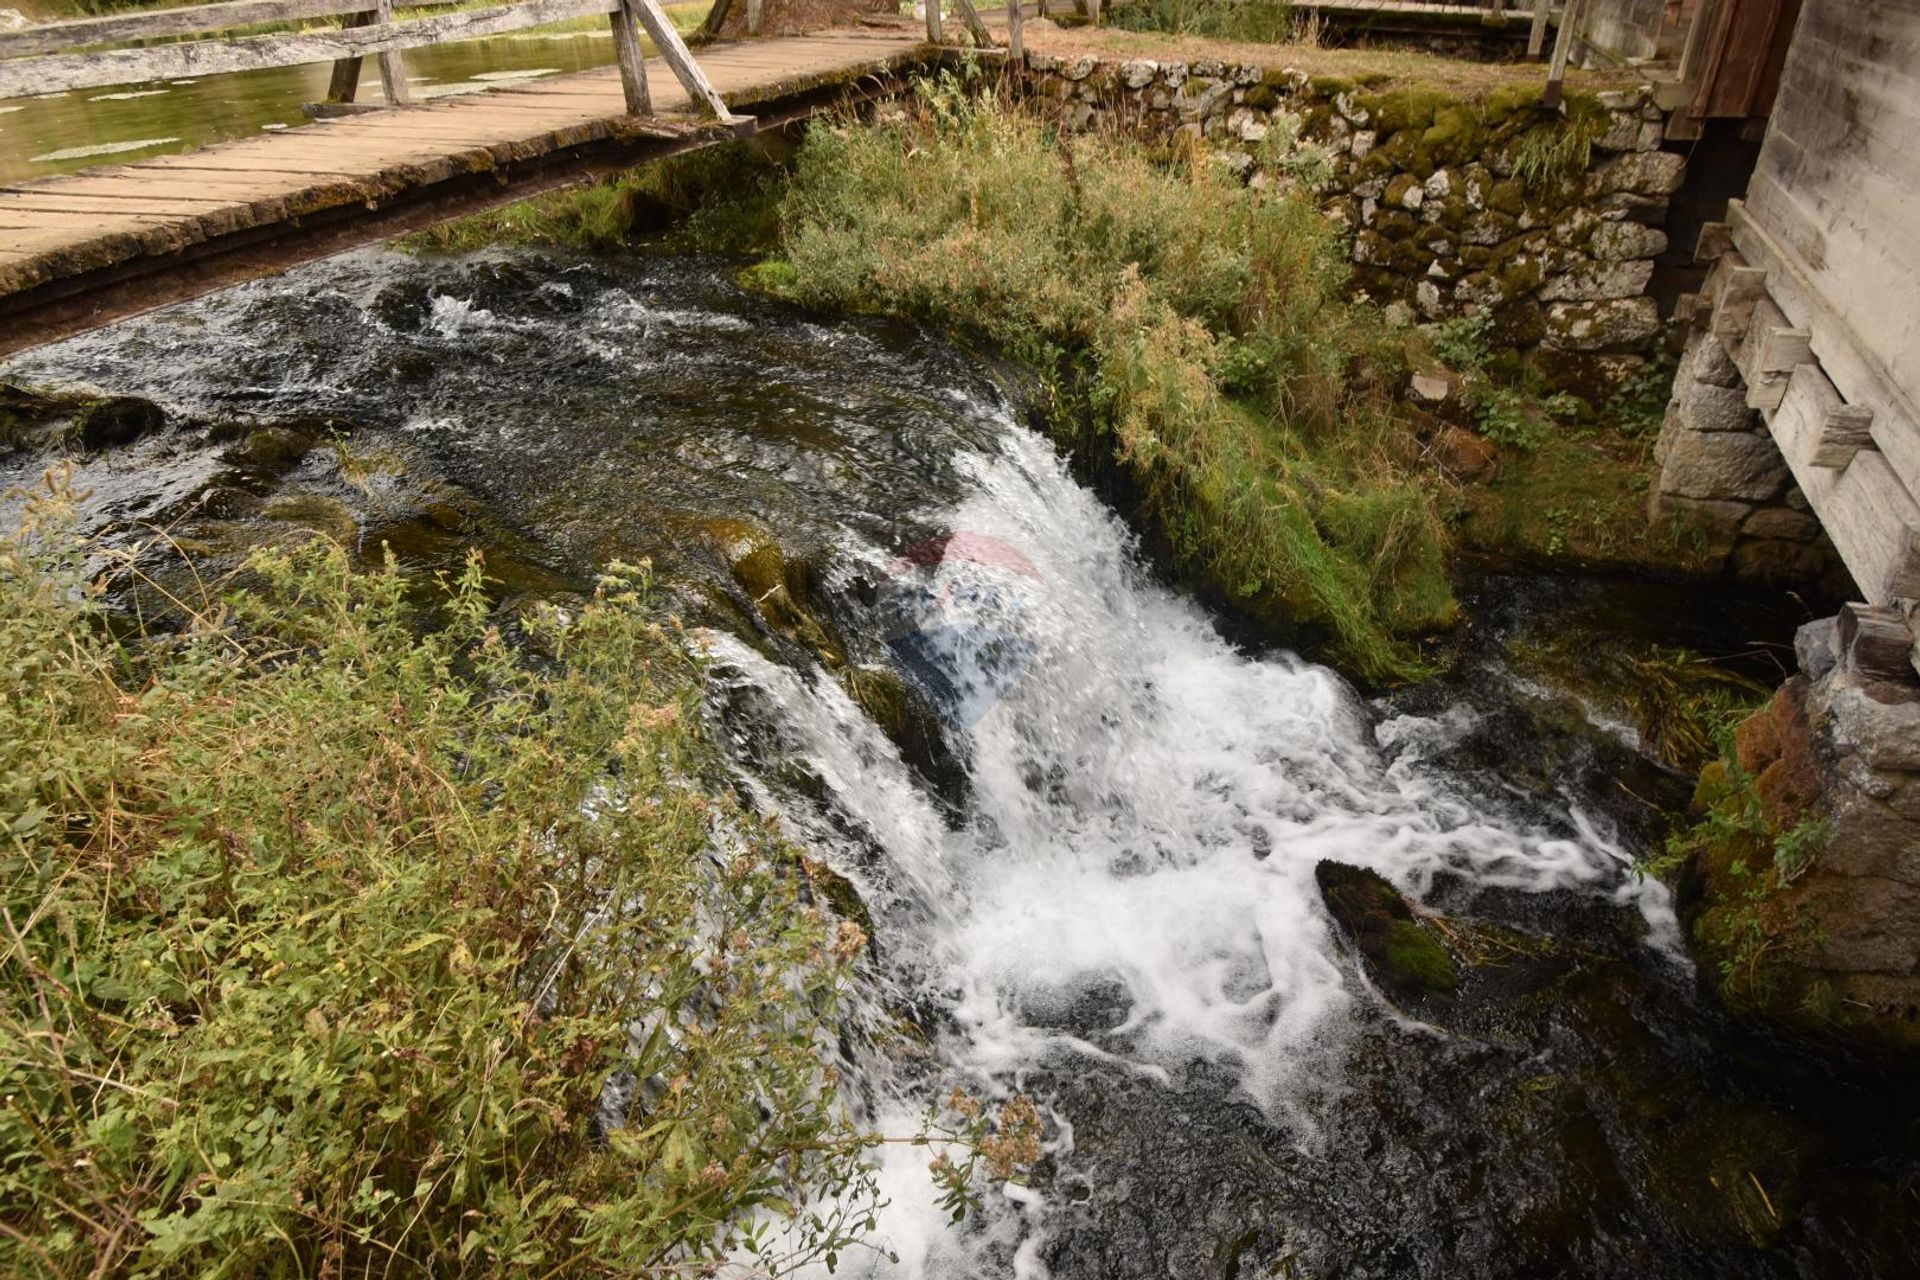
{"x": 56, "y": 56}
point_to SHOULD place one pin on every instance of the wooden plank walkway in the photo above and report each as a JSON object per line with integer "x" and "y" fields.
{"x": 59, "y": 236}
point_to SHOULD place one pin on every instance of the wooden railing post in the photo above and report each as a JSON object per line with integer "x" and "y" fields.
{"x": 633, "y": 61}
{"x": 754, "y": 17}
{"x": 1016, "y": 38}
{"x": 1562, "y": 49}
{"x": 346, "y": 71}
{"x": 1537, "y": 32}
{"x": 933, "y": 21}
{"x": 393, "y": 64}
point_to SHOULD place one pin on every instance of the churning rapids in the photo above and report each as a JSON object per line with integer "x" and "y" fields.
{"x": 1091, "y": 875}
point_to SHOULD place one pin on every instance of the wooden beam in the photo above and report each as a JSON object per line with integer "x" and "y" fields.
{"x": 632, "y": 60}
{"x": 1016, "y": 37}
{"x": 253, "y": 53}
{"x": 933, "y": 22}
{"x": 679, "y": 60}
{"x": 53, "y": 37}
{"x": 716, "y": 17}
{"x": 1875, "y": 641}
{"x": 1537, "y": 32}
{"x": 393, "y": 63}
{"x": 756, "y": 17}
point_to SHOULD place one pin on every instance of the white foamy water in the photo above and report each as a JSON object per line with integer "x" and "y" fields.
{"x": 1146, "y": 810}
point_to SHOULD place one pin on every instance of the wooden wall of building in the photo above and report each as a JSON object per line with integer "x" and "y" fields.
{"x": 1837, "y": 191}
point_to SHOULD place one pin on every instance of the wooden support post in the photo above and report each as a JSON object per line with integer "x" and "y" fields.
{"x": 393, "y": 63}
{"x": 982, "y": 38}
{"x": 716, "y": 17}
{"x": 1537, "y": 33}
{"x": 755, "y": 17}
{"x": 1875, "y": 641}
{"x": 1562, "y": 49}
{"x": 633, "y": 61}
{"x": 674, "y": 52}
{"x": 934, "y": 33}
{"x": 1093, "y": 12}
{"x": 346, "y": 71}
{"x": 1016, "y": 38}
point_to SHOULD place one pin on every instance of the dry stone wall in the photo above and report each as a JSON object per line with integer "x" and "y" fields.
{"x": 1718, "y": 470}
{"x": 1445, "y": 214}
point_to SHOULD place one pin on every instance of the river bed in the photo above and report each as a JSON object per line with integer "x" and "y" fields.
{"x": 1083, "y": 823}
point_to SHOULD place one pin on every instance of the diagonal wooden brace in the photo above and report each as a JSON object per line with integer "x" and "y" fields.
{"x": 679, "y": 60}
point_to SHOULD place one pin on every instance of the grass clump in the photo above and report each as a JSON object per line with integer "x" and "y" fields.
{"x": 322, "y": 934}
{"x": 712, "y": 199}
{"x": 1198, "y": 336}
{"x": 1255, "y": 21}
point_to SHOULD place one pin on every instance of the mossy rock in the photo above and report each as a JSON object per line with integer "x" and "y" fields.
{"x": 1401, "y": 109}
{"x": 1400, "y": 953}
{"x": 114, "y": 421}
{"x": 271, "y": 451}
{"x": 779, "y": 585}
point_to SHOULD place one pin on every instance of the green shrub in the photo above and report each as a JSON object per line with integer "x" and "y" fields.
{"x": 1204, "y": 329}
{"x": 322, "y": 932}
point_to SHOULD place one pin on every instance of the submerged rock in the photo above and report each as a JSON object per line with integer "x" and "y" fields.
{"x": 116, "y": 420}
{"x": 1400, "y": 952}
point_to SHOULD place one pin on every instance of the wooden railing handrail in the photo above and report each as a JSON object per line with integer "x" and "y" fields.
{"x": 22, "y": 76}
{"x": 82, "y": 33}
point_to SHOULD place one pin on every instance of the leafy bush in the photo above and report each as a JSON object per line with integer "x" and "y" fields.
{"x": 1203, "y": 328}
{"x": 322, "y": 934}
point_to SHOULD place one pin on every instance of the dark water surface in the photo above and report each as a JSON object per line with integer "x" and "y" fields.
{"x": 1085, "y": 826}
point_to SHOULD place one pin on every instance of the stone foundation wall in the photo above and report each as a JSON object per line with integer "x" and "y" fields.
{"x": 1432, "y": 192}
{"x": 1718, "y": 470}
{"x": 1841, "y": 742}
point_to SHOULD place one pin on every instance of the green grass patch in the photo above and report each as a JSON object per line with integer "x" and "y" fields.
{"x": 1195, "y": 332}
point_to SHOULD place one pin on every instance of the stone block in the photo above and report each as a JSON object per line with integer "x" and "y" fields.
{"x": 1723, "y": 465}
{"x": 1598, "y": 281}
{"x": 1715, "y": 522}
{"x": 1707, "y": 361}
{"x": 1138, "y": 73}
{"x": 1813, "y": 648}
{"x": 1620, "y": 324}
{"x": 1705, "y": 407}
{"x": 1777, "y": 562}
{"x": 1643, "y": 173}
{"x": 1622, "y": 241}
{"x": 1781, "y": 523}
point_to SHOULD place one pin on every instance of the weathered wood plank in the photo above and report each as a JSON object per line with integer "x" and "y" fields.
{"x": 79, "y": 33}
{"x": 254, "y": 53}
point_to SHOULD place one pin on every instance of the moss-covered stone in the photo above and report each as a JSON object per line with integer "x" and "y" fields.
{"x": 1403, "y": 955}
{"x": 1400, "y": 109}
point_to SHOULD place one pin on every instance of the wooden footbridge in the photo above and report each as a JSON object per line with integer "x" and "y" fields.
{"x": 85, "y": 248}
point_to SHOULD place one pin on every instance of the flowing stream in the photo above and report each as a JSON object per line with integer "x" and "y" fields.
{"x": 1088, "y": 844}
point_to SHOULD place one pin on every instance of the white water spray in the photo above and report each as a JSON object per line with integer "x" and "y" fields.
{"x": 1146, "y": 810}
